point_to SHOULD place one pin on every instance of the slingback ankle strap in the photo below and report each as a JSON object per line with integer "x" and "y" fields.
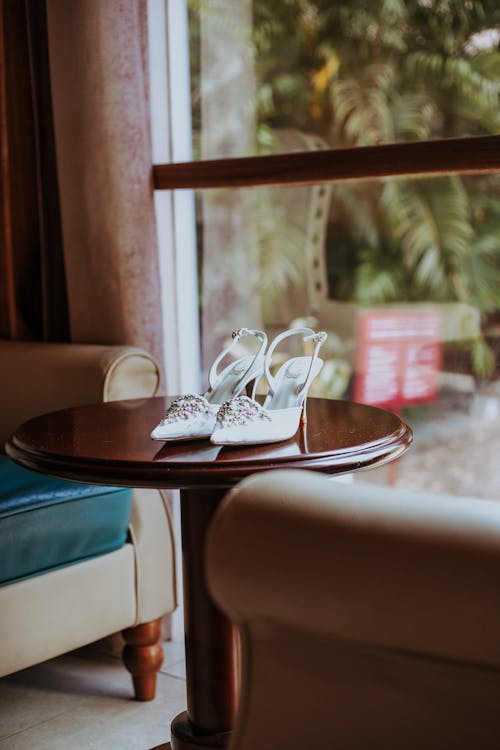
{"x": 319, "y": 339}
{"x": 309, "y": 335}
{"x": 236, "y": 336}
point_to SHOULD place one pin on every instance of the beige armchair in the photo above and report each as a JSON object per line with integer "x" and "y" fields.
{"x": 368, "y": 616}
{"x": 128, "y": 589}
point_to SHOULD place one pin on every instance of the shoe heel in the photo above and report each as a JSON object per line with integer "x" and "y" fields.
{"x": 303, "y": 418}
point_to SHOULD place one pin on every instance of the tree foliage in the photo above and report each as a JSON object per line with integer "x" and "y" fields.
{"x": 361, "y": 74}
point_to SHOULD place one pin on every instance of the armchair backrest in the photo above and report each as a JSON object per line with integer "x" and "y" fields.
{"x": 369, "y": 616}
{"x": 39, "y": 377}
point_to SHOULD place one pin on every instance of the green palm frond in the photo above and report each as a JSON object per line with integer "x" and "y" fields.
{"x": 426, "y": 65}
{"x": 472, "y": 119}
{"x": 281, "y": 241}
{"x": 484, "y": 196}
{"x": 430, "y": 221}
{"x": 414, "y": 115}
{"x": 461, "y": 74}
{"x": 482, "y": 269}
{"x": 470, "y": 86}
{"x": 487, "y": 64}
{"x": 364, "y": 73}
{"x": 483, "y": 358}
{"x": 376, "y": 285}
{"x": 355, "y": 205}
{"x": 378, "y": 22}
{"x": 361, "y": 106}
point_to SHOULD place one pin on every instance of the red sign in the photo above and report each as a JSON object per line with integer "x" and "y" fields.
{"x": 398, "y": 357}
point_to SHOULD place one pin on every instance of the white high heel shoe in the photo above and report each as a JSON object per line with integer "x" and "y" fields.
{"x": 191, "y": 416}
{"x": 243, "y": 421}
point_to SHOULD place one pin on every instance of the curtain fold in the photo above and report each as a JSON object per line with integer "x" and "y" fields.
{"x": 98, "y": 62}
{"x": 33, "y": 300}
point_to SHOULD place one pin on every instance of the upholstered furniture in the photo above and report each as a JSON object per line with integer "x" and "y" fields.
{"x": 368, "y": 616}
{"x": 79, "y": 562}
{"x": 111, "y": 442}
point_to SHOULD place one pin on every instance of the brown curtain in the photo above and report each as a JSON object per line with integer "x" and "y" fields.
{"x": 98, "y": 61}
{"x": 33, "y": 301}
{"x": 78, "y": 69}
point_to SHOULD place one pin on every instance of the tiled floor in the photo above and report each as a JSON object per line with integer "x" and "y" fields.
{"x": 83, "y": 701}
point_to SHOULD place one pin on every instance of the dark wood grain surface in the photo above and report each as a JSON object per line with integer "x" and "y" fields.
{"x": 110, "y": 443}
{"x": 471, "y": 155}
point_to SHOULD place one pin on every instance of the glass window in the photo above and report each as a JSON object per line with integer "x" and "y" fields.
{"x": 351, "y": 72}
{"x": 404, "y": 273}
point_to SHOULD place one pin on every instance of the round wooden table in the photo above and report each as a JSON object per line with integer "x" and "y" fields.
{"x": 110, "y": 444}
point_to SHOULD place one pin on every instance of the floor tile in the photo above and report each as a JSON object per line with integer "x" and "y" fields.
{"x": 177, "y": 670}
{"x": 174, "y": 652}
{"x": 84, "y": 701}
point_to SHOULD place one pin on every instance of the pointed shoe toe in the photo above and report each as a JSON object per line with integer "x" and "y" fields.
{"x": 192, "y": 416}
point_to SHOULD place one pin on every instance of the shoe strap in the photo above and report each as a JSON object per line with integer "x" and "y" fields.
{"x": 319, "y": 339}
{"x": 236, "y": 336}
{"x": 309, "y": 335}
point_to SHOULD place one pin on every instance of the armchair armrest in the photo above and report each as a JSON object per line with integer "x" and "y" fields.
{"x": 40, "y": 377}
{"x": 363, "y": 562}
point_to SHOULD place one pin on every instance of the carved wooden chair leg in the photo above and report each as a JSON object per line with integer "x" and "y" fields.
{"x": 143, "y": 657}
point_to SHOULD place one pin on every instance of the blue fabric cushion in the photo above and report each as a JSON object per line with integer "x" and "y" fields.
{"x": 46, "y": 523}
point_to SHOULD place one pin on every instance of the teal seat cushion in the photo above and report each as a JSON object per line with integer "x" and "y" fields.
{"x": 46, "y": 523}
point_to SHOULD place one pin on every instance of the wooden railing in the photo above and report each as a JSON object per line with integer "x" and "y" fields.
{"x": 472, "y": 155}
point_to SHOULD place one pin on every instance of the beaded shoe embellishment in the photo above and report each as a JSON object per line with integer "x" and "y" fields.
{"x": 185, "y": 407}
{"x": 240, "y": 411}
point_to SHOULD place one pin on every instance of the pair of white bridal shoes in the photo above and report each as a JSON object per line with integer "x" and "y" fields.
{"x": 243, "y": 421}
{"x": 238, "y": 419}
{"x": 191, "y": 416}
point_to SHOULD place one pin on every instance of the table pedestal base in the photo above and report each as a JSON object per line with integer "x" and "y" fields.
{"x": 186, "y": 737}
{"x": 212, "y": 663}
{"x": 211, "y": 642}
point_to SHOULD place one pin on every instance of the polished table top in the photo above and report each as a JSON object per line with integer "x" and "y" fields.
{"x": 109, "y": 444}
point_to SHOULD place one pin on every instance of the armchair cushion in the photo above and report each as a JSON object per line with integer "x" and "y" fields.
{"x": 46, "y": 523}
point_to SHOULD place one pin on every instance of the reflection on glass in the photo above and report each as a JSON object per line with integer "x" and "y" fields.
{"x": 352, "y": 72}
{"x": 403, "y": 274}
